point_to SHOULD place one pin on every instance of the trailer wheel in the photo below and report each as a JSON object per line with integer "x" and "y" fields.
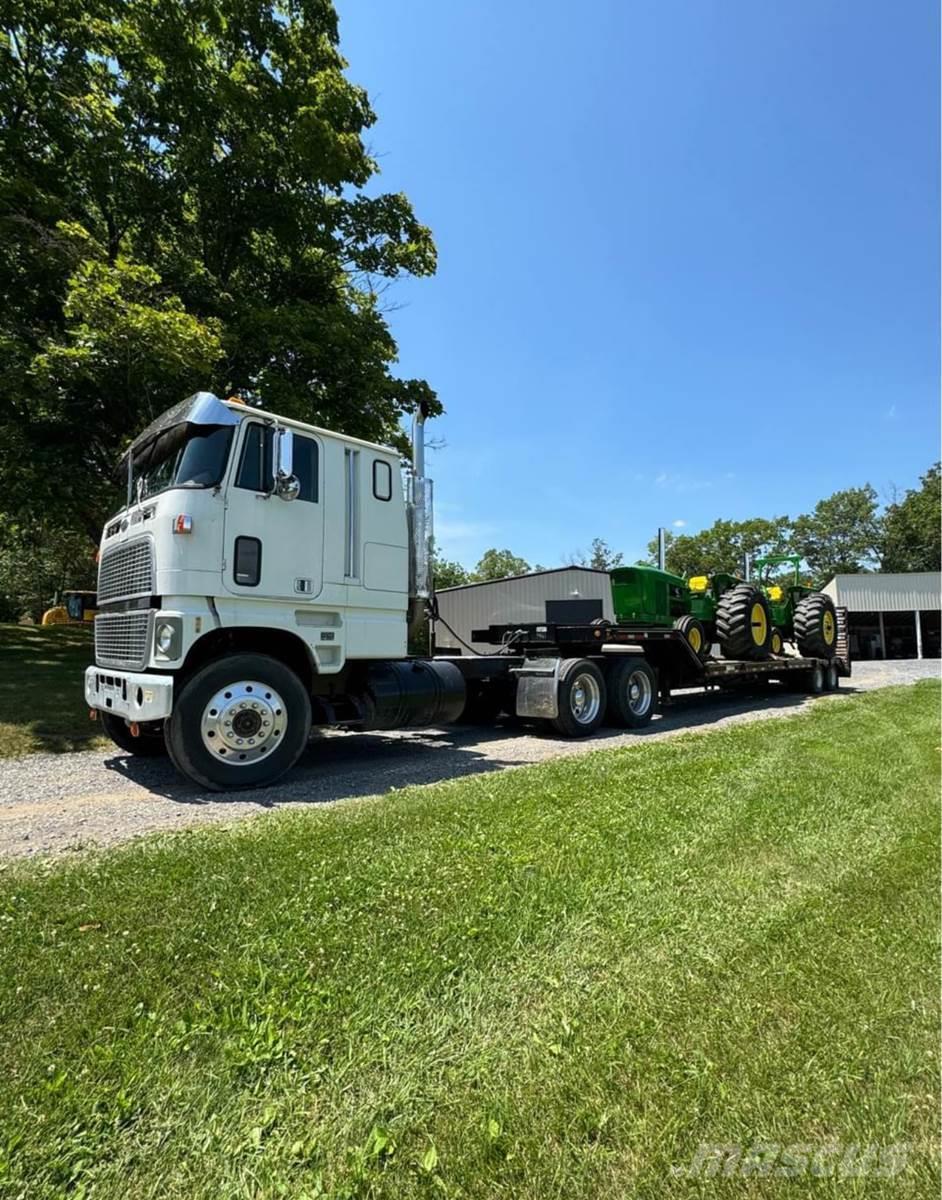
{"x": 816, "y": 626}
{"x": 832, "y": 680}
{"x": 815, "y": 680}
{"x": 743, "y": 623}
{"x": 149, "y": 743}
{"x": 580, "y": 697}
{"x": 239, "y": 722}
{"x": 695, "y": 635}
{"x": 632, "y": 693}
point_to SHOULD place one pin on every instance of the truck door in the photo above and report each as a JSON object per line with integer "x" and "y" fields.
{"x": 274, "y": 548}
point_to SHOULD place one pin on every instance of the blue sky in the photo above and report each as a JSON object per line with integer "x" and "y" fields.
{"x": 689, "y": 255}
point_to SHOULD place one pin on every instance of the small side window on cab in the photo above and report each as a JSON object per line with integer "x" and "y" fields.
{"x": 382, "y": 479}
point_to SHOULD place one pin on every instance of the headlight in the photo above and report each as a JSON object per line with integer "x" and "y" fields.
{"x": 167, "y": 637}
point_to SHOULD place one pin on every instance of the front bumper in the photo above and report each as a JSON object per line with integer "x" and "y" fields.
{"x": 131, "y": 695}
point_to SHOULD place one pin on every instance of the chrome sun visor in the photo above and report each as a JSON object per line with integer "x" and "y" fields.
{"x": 162, "y": 435}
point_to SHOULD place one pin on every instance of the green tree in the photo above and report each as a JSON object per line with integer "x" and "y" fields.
{"x": 723, "y": 546}
{"x": 498, "y": 564}
{"x": 182, "y": 205}
{"x": 843, "y": 534}
{"x": 600, "y": 557}
{"x": 449, "y": 574}
{"x": 911, "y": 527}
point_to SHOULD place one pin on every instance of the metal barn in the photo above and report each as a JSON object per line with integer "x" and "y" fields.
{"x": 566, "y": 594}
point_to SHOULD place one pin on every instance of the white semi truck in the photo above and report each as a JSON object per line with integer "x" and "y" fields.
{"x": 263, "y": 578}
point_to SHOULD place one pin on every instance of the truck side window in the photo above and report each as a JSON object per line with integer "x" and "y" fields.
{"x": 255, "y": 465}
{"x": 382, "y": 479}
{"x": 305, "y": 467}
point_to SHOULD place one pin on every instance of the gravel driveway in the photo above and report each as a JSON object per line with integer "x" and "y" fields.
{"x": 52, "y": 803}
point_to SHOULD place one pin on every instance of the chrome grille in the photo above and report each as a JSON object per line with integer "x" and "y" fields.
{"x": 126, "y": 571}
{"x": 122, "y": 639}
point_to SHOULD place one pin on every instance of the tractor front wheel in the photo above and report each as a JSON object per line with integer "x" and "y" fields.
{"x": 695, "y": 635}
{"x": 743, "y": 623}
{"x": 816, "y": 626}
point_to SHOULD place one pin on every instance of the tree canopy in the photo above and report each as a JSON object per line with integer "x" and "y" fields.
{"x": 912, "y": 527}
{"x": 182, "y": 206}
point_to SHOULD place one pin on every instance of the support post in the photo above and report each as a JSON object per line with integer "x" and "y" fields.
{"x": 882, "y": 636}
{"x": 661, "y": 549}
{"x": 918, "y": 635}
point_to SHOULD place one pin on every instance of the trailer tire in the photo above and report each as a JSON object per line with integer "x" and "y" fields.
{"x": 814, "y": 681}
{"x": 632, "y": 692}
{"x": 695, "y": 635}
{"x": 259, "y": 692}
{"x": 580, "y": 697}
{"x": 832, "y": 679}
{"x": 816, "y": 626}
{"x": 149, "y": 743}
{"x": 743, "y": 623}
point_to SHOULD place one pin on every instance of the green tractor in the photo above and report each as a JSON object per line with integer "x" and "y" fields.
{"x": 799, "y": 613}
{"x": 706, "y": 609}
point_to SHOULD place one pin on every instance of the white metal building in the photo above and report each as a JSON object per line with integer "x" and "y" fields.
{"x": 566, "y": 594}
{"x": 891, "y": 616}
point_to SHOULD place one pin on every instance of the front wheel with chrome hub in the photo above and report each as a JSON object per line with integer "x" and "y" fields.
{"x": 238, "y": 722}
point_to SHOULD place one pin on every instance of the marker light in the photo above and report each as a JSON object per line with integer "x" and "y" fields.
{"x": 183, "y": 523}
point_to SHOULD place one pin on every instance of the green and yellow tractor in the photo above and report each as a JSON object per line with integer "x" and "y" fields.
{"x": 799, "y": 614}
{"x": 750, "y": 620}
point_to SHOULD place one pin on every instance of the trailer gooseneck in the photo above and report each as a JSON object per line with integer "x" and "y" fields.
{"x": 263, "y": 577}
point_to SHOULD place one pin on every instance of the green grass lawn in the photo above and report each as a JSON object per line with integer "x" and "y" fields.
{"x": 551, "y": 982}
{"x": 42, "y": 704}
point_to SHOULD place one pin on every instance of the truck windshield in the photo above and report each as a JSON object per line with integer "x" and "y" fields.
{"x": 196, "y": 460}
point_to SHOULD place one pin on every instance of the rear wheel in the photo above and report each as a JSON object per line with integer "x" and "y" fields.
{"x": 743, "y": 623}
{"x": 831, "y": 678}
{"x": 695, "y": 634}
{"x": 632, "y": 693}
{"x": 580, "y": 698}
{"x": 239, "y": 722}
{"x": 149, "y": 742}
{"x": 816, "y": 626}
{"x": 815, "y": 680}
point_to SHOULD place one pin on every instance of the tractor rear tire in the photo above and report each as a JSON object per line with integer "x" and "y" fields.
{"x": 743, "y": 623}
{"x": 816, "y": 626}
{"x": 695, "y": 635}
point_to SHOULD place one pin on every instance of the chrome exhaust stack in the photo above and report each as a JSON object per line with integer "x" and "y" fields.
{"x": 419, "y": 509}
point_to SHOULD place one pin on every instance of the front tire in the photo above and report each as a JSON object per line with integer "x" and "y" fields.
{"x": 580, "y": 697}
{"x": 239, "y": 722}
{"x": 695, "y": 635}
{"x": 149, "y": 743}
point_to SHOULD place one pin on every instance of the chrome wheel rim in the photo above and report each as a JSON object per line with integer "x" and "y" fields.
{"x": 585, "y": 698}
{"x": 243, "y": 722}
{"x": 639, "y": 693}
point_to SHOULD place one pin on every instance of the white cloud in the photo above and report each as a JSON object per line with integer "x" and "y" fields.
{"x": 890, "y": 414}
{"x": 679, "y": 524}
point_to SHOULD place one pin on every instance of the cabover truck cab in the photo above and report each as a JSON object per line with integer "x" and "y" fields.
{"x": 258, "y": 581}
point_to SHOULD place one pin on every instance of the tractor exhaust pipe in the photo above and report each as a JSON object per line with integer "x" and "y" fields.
{"x": 662, "y": 549}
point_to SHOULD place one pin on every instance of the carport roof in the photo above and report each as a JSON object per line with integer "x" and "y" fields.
{"x": 887, "y": 593}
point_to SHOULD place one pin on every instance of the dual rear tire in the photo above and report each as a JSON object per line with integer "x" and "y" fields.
{"x": 624, "y": 695}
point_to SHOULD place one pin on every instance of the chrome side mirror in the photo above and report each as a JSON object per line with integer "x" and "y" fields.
{"x": 287, "y": 485}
